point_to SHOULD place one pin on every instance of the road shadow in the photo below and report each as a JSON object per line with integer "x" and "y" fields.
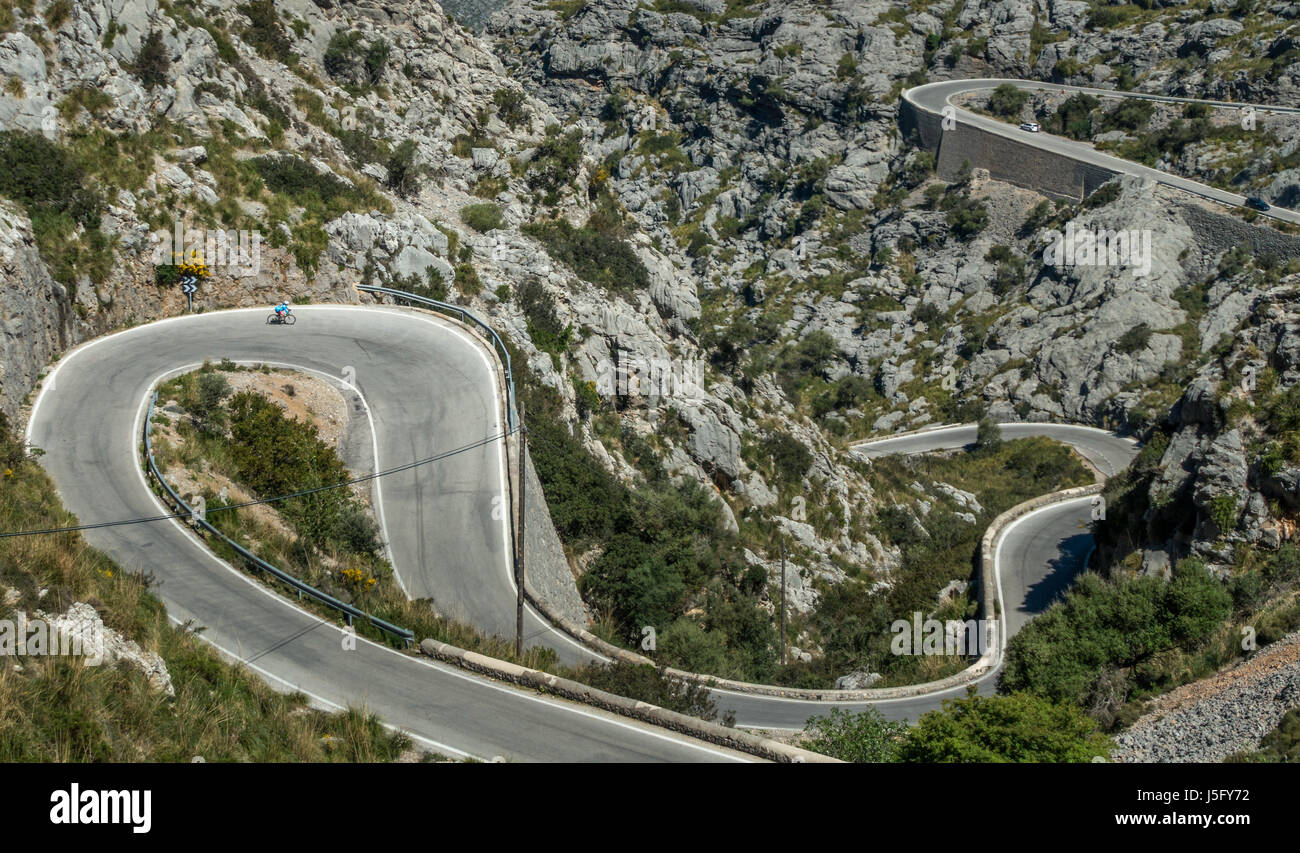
{"x": 1062, "y": 570}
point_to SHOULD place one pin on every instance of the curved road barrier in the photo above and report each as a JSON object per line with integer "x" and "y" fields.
{"x": 440, "y": 527}
{"x": 695, "y": 727}
{"x": 184, "y": 510}
{"x": 93, "y": 463}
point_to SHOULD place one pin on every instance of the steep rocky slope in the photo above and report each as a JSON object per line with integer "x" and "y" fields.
{"x": 712, "y": 188}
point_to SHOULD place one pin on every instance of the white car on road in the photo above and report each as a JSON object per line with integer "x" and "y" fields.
{"x": 1031, "y": 126}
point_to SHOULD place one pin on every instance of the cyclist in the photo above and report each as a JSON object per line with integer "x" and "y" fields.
{"x": 282, "y": 311}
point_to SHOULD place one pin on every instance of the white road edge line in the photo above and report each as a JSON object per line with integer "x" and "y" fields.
{"x": 573, "y": 708}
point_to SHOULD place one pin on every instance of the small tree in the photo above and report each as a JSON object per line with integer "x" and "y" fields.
{"x": 375, "y": 59}
{"x": 212, "y": 390}
{"x": 403, "y": 174}
{"x": 1007, "y": 100}
{"x": 988, "y": 436}
{"x": 152, "y": 62}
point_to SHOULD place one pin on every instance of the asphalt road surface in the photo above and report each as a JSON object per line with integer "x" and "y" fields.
{"x": 1037, "y": 556}
{"x": 428, "y": 389}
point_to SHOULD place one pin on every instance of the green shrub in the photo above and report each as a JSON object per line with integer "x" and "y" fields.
{"x": 152, "y": 62}
{"x": 57, "y": 13}
{"x": 265, "y": 33}
{"x": 1223, "y": 512}
{"x": 988, "y": 436}
{"x": 510, "y": 106}
{"x": 482, "y": 217}
{"x": 862, "y": 738}
{"x": 597, "y": 255}
{"x": 276, "y": 455}
{"x": 374, "y": 60}
{"x": 299, "y": 180}
{"x": 645, "y": 683}
{"x": 1073, "y": 117}
{"x": 554, "y": 165}
{"x": 966, "y": 216}
{"x": 544, "y": 327}
{"x": 403, "y": 174}
{"x": 1130, "y": 114}
{"x": 62, "y": 201}
{"x": 1103, "y": 195}
{"x": 790, "y": 458}
{"x": 1103, "y": 624}
{"x": 342, "y": 54}
{"x": 1134, "y": 340}
{"x": 1016, "y": 728}
{"x": 1007, "y": 100}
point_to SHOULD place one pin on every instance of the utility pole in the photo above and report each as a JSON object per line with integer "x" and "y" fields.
{"x": 519, "y": 541}
{"x": 783, "y": 649}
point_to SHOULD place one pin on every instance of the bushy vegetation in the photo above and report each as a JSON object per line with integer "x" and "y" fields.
{"x": 482, "y": 217}
{"x": 597, "y": 252}
{"x": 331, "y": 541}
{"x": 554, "y": 166}
{"x": 302, "y": 182}
{"x": 967, "y": 217}
{"x": 1073, "y": 118}
{"x": 57, "y": 709}
{"x": 152, "y": 62}
{"x": 1008, "y": 100}
{"x": 322, "y": 195}
{"x": 646, "y": 683}
{"x": 863, "y": 738}
{"x": 1280, "y": 746}
{"x": 545, "y": 329}
{"x": 662, "y": 550}
{"x": 973, "y": 729}
{"x": 510, "y": 106}
{"x": 852, "y": 622}
{"x": 1134, "y": 340}
{"x": 403, "y": 171}
{"x": 64, "y": 204}
{"x": 348, "y": 59}
{"x": 1015, "y": 728}
{"x": 265, "y": 33}
{"x": 1067, "y": 652}
{"x": 276, "y": 455}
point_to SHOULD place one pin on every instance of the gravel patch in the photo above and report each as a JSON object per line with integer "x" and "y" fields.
{"x": 1211, "y": 719}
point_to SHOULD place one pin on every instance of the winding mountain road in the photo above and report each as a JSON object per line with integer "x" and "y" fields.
{"x": 1036, "y": 558}
{"x": 428, "y": 386}
{"x": 935, "y": 97}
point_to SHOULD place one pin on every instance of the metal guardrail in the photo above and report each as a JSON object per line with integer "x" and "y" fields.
{"x": 463, "y": 314}
{"x": 351, "y": 612}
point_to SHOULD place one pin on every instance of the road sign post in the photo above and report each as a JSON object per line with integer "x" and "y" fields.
{"x": 189, "y": 284}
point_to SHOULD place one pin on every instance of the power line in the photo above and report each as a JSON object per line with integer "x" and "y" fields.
{"x": 437, "y": 457}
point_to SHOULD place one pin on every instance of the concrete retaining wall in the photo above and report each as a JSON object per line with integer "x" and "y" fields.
{"x": 1005, "y": 159}
{"x": 548, "y": 576}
